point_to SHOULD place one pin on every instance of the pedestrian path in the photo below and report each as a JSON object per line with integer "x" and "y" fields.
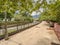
{"x": 37, "y": 35}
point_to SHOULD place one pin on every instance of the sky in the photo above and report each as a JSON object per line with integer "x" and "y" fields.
{"x": 34, "y": 13}
{"x": 38, "y": 13}
{"x": 41, "y": 9}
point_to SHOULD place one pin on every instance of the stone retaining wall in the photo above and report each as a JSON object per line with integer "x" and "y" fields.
{"x": 57, "y": 30}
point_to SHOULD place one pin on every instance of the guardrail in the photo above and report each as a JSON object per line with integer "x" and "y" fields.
{"x": 16, "y": 29}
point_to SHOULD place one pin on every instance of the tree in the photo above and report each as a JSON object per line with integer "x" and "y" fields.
{"x": 9, "y": 16}
{"x": 11, "y": 6}
{"x": 7, "y": 6}
{"x": 52, "y": 11}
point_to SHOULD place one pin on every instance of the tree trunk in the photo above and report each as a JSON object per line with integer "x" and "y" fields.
{"x": 6, "y": 32}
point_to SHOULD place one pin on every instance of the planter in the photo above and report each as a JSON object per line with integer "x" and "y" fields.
{"x": 57, "y": 30}
{"x": 51, "y": 24}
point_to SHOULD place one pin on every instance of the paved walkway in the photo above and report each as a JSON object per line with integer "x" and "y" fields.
{"x": 37, "y": 35}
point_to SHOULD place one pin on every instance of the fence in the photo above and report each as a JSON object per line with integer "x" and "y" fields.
{"x": 16, "y": 28}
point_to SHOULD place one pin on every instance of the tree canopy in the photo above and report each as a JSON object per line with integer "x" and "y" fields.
{"x": 51, "y": 11}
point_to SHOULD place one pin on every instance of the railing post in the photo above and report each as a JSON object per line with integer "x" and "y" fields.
{"x": 17, "y": 27}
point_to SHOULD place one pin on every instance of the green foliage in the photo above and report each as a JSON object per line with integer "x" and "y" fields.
{"x": 23, "y": 18}
{"x": 51, "y": 12}
{"x": 23, "y": 6}
{"x": 47, "y": 17}
{"x": 9, "y": 15}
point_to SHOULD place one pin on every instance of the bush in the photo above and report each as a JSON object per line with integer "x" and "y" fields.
{"x": 47, "y": 17}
